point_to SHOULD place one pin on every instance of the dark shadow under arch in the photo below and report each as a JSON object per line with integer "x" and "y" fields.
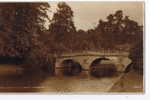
{"x": 97, "y": 61}
{"x": 99, "y": 69}
{"x": 71, "y": 67}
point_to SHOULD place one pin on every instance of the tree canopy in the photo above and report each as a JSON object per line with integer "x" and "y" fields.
{"x": 62, "y": 22}
{"x": 21, "y": 24}
{"x": 119, "y": 29}
{"x": 22, "y": 29}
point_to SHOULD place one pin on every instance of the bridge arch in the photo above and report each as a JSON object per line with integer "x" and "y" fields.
{"x": 71, "y": 67}
{"x": 102, "y": 67}
{"x": 98, "y": 60}
{"x": 86, "y": 62}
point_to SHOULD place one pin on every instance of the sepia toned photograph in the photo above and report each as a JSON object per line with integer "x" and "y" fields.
{"x": 72, "y": 47}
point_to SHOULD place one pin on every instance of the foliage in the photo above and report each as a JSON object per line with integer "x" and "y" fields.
{"x": 119, "y": 30}
{"x": 21, "y": 29}
{"x": 21, "y": 24}
{"x": 62, "y": 26}
{"x": 115, "y": 33}
{"x": 136, "y": 52}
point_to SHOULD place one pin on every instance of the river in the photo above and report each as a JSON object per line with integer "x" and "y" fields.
{"x": 32, "y": 82}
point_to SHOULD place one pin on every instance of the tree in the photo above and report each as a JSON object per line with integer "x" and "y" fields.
{"x": 21, "y": 29}
{"x": 23, "y": 24}
{"x": 29, "y": 25}
{"x": 6, "y": 29}
{"x": 62, "y": 25}
{"x": 136, "y": 55}
{"x": 119, "y": 30}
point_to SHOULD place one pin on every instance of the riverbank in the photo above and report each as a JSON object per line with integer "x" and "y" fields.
{"x": 131, "y": 82}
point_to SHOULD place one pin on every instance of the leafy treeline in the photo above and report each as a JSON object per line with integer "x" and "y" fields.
{"x": 23, "y": 34}
{"x": 117, "y": 32}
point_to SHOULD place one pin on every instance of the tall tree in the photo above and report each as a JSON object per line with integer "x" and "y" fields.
{"x": 62, "y": 25}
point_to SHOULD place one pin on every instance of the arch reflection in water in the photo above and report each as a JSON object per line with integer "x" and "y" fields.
{"x": 71, "y": 67}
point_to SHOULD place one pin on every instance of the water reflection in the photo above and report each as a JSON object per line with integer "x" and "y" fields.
{"x": 38, "y": 81}
{"x": 25, "y": 82}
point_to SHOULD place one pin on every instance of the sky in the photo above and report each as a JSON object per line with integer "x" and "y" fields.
{"x": 87, "y": 14}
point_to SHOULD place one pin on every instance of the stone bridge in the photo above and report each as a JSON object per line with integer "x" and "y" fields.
{"x": 86, "y": 58}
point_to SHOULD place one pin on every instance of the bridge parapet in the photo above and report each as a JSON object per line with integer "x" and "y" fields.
{"x": 92, "y": 53}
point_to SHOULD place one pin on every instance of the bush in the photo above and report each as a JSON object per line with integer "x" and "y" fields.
{"x": 36, "y": 60}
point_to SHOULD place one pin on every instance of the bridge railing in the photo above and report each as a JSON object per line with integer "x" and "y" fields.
{"x": 94, "y": 53}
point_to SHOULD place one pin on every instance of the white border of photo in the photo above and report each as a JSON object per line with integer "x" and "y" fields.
{"x": 144, "y": 96}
